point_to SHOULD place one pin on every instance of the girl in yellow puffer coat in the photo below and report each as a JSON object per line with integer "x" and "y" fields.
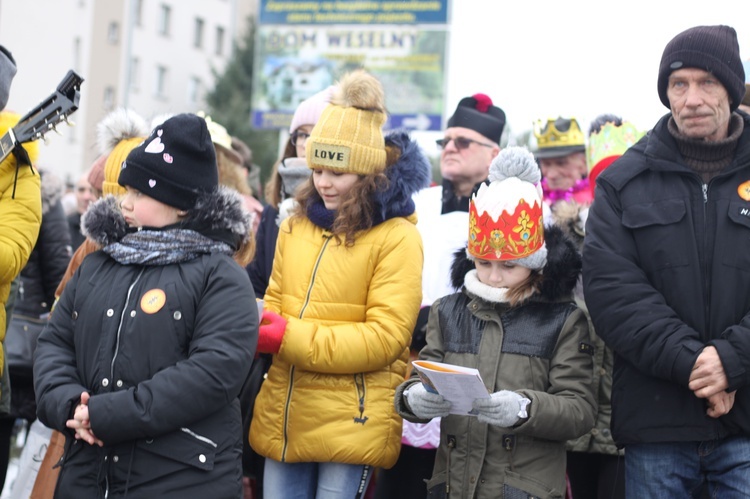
{"x": 341, "y": 304}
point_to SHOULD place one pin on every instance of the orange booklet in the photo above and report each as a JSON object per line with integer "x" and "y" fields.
{"x": 458, "y": 384}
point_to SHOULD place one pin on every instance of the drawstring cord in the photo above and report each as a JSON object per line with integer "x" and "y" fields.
{"x": 22, "y": 158}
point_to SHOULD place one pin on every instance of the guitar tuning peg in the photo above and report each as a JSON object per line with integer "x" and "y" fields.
{"x": 68, "y": 122}
{"x": 54, "y": 129}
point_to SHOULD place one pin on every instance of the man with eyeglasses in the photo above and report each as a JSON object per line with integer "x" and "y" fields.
{"x": 470, "y": 142}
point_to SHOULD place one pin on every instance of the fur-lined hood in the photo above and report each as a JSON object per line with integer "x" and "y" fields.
{"x": 219, "y": 215}
{"x": 560, "y": 274}
{"x": 409, "y": 174}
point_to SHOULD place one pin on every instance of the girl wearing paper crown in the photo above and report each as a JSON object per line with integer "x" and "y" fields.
{"x": 341, "y": 304}
{"x": 514, "y": 320}
{"x": 148, "y": 346}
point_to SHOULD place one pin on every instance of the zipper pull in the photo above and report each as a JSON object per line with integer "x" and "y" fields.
{"x": 705, "y": 193}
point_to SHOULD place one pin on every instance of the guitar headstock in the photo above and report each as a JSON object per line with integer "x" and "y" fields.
{"x": 52, "y": 111}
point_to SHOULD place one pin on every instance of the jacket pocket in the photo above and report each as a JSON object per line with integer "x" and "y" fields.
{"x": 517, "y": 487}
{"x": 739, "y": 214}
{"x": 436, "y": 486}
{"x": 663, "y": 239}
{"x": 182, "y": 448}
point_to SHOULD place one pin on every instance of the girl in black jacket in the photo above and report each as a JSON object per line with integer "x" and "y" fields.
{"x": 148, "y": 346}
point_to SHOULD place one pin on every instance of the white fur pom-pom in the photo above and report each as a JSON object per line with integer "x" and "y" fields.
{"x": 515, "y": 161}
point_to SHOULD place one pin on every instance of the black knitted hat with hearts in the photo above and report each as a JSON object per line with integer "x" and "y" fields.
{"x": 175, "y": 164}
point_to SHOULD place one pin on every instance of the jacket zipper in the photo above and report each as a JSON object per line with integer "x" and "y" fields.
{"x": 291, "y": 369}
{"x": 359, "y": 383}
{"x": 706, "y": 264}
{"x": 119, "y": 326}
{"x": 114, "y": 357}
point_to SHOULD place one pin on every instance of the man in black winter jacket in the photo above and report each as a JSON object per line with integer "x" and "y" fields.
{"x": 666, "y": 272}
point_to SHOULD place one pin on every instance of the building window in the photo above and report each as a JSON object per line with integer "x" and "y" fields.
{"x": 109, "y": 98}
{"x": 138, "y": 13}
{"x": 113, "y": 33}
{"x": 219, "y": 40}
{"x": 198, "y": 34}
{"x": 135, "y": 73}
{"x": 165, "y": 19}
{"x": 194, "y": 89}
{"x": 161, "y": 81}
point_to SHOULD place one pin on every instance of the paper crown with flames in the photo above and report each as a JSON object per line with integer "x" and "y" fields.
{"x": 558, "y": 137}
{"x": 505, "y": 217}
{"x": 608, "y": 144}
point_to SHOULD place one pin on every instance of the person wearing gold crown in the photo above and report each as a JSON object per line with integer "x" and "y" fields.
{"x": 561, "y": 152}
{"x": 665, "y": 275}
{"x": 514, "y": 319}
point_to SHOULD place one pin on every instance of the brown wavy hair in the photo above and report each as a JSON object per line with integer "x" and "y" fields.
{"x": 357, "y": 206}
{"x": 526, "y": 289}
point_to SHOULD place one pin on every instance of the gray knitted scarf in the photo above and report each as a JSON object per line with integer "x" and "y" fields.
{"x": 157, "y": 247}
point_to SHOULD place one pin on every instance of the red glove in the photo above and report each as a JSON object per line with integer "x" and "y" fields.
{"x": 270, "y": 332}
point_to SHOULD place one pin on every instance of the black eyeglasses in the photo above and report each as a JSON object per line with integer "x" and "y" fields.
{"x": 461, "y": 143}
{"x": 299, "y": 138}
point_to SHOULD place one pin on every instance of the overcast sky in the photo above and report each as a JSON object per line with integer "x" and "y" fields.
{"x": 573, "y": 58}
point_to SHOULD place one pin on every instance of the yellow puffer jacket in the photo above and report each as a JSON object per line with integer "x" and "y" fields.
{"x": 329, "y": 393}
{"x": 20, "y": 218}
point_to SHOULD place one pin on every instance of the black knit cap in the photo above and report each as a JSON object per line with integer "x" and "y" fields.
{"x": 711, "y": 48}
{"x": 477, "y": 113}
{"x": 175, "y": 164}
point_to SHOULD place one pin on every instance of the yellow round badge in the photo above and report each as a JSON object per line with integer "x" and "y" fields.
{"x": 744, "y": 190}
{"x": 153, "y": 301}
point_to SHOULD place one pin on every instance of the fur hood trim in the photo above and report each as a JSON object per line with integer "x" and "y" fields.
{"x": 560, "y": 274}
{"x": 219, "y": 215}
{"x": 409, "y": 174}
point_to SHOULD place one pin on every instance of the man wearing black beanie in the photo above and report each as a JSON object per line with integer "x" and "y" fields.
{"x": 665, "y": 274}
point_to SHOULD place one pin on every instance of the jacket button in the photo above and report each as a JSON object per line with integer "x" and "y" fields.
{"x": 473, "y": 479}
{"x": 75, "y": 315}
{"x": 115, "y": 459}
{"x": 177, "y": 315}
{"x": 105, "y": 382}
{"x": 132, "y": 313}
{"x": 202, "y": 458}
{"x": 110, "y": 312}
{"x": 595, "y": 431}
{"x": 602, "y": 371}
{"x": 119, "y": 383}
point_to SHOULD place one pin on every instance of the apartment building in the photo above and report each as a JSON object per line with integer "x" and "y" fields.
{"x": 155, "y": 56}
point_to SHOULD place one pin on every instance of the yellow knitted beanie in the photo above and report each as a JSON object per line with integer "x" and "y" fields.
{"x": 348, "y": 137}
{"x": 114, "y": 163}
{"x": 117, "y": 134}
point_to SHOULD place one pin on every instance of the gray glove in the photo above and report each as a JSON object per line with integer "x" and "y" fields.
{"x": 503, "y": 408}
{"x": 424, "y": 404}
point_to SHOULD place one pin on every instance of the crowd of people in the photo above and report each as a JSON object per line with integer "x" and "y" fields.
{"x": 194, "y": 337}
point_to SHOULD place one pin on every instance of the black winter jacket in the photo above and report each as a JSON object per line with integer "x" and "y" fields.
{"x": 666, "y": 272}
{"x": 50, "y": 256}
{"x": 163, "y": 350}
{"x": 259, "y": 270}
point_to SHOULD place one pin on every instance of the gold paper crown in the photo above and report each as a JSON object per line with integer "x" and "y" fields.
{"x": 550, "y": 136}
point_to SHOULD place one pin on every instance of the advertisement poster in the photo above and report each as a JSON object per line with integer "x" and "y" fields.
{"x": 354, "y": 12}
{"x": 295, "y": 61}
